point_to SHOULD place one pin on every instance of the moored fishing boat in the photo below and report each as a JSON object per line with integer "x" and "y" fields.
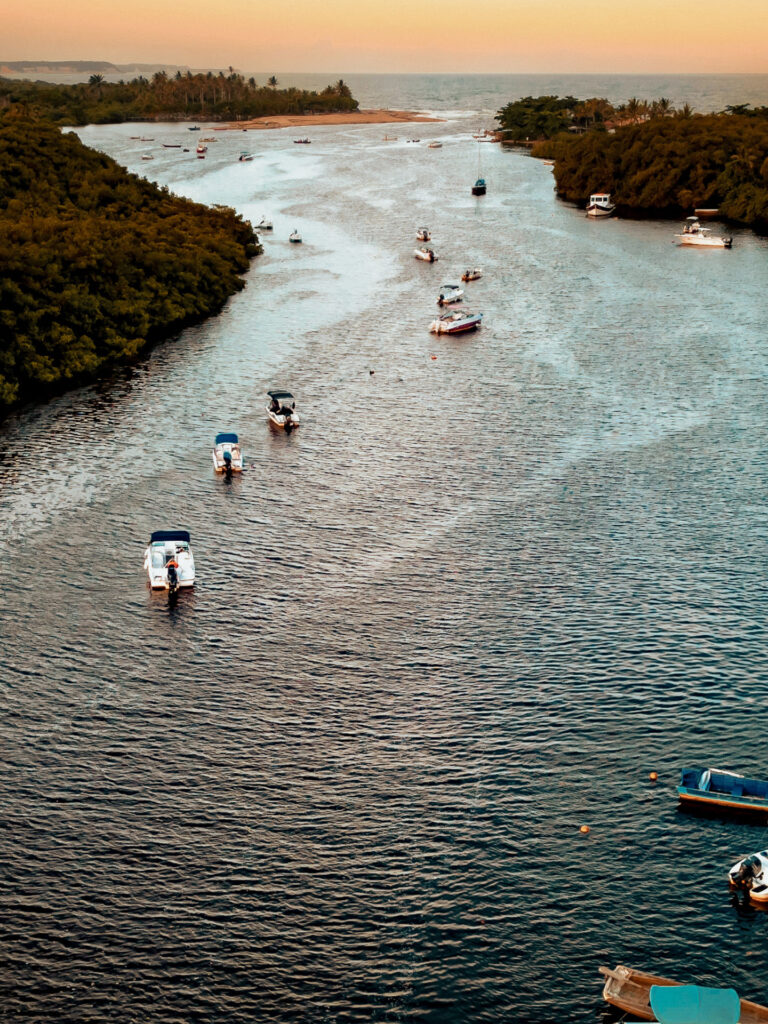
{"x": 694, "y": 234}
{"x": 435, "y": 145}
{"x": 751, "y": 874}
{"x": 169, "y": 547}
{"x": 600, "y": 205}
{"x": 295, "y": 237}
{"x": 714, "y": 787}
{"x": 171, "y": 145}
{"x": 302, "y": 142}
{"x": 479, "y": 188}
{"x": 264, "y": 225}
{"x": 450, "y": 293}
{"x": 426, "y": 254}
{"x": 456, "y": 322}
{"x": 472, "y": 274}
{"x": 630, "y": 990}
{"x": 227, "y": 454}
{"x": 281, "y": 410}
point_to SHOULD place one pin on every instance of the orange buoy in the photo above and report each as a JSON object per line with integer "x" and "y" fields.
{"x": 584, "y": 829}
{"x": 433, "y": 357}
{"x": 653, "y": 776}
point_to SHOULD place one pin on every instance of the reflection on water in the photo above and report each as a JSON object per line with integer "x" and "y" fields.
{"x": 464, "y": 609}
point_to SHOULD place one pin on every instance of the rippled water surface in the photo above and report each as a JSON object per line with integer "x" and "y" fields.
{"x": 463, "y": 610}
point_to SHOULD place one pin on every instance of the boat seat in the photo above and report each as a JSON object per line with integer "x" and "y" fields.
{"x": 738, "y": 789}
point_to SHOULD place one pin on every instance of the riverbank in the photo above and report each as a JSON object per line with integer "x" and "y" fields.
{"x": 347, "y": 117}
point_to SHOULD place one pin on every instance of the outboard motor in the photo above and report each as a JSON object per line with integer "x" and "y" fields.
{"x": 746, "y": 873}
{"x": 228, "y": 464}
{"x": 173, "y": 581}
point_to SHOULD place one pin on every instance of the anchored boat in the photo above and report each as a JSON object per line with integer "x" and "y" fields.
{"x": 294, "y": 237}
{"x": 752, "y": 874}
{"x": 450, "y": 293}
{"x": 423, "y": 235}
{"x": 694, "y": 234}
{"x": 282, "y": 410}
{"x": 472, "y": 274}
{"x": 264, "y": 225}
{"x": 638, "y": 994}
{"x": 712, "y": 787}
{"x": 600, "y": 205}
{"x": 426, "y": 254}
{"x": 478, "y": 189}
{"x": 169, "y": 546}
{"x": 456, "y": 322}
{"x": 245, "y": 157}
{"x": 227, "y": 455}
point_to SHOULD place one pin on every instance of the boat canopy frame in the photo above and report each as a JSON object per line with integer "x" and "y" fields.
{"x": 227, "y": 439}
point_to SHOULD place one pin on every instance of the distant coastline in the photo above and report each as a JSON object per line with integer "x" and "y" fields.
{"x": 347, "y": 117}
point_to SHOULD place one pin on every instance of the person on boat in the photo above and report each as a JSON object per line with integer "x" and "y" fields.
{"x": 274, "y": 405}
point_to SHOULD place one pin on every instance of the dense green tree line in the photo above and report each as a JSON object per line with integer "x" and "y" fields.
{"x": 672, "y": 164}
{"x": 208, "y": 97}
{"x": 95, "y": 263}
{"x": 534, "y": 118}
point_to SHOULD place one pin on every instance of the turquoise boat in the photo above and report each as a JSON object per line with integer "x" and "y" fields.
{"x": 694, "y": 1004}
{"x": 711, "y": 787}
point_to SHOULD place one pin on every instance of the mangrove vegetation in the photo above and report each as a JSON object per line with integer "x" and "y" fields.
{"x": 96, "y": 263}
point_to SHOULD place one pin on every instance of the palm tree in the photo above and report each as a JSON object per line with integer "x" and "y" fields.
{"x": 272, "y": 81}
{"x": 96, "y": 81}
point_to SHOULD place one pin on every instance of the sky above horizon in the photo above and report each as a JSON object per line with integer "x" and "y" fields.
{"x": 523, "y": 36}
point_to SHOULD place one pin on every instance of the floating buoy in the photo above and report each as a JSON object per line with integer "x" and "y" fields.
{"x": 371, "y": 372}
{"x": 653, "y": 776}
{"x": 433, "y": 357}
{"x": 584, "y": 829}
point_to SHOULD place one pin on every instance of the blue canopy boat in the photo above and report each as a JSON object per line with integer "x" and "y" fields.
{"x": 650, "y": 997}
{"x": 715, "y": 788}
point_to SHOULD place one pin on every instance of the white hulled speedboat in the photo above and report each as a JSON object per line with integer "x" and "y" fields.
{"x": 282, "y": 410}
{"x": 168, "y": 546}
{"x": 426, "y": 254}
{"x": 752, "y": 874}
{"x": 450, "y": 293}
{"x": 294, "y": 237}
{"x": 694, "y": 234}
{"x": 423, "y": 235}
{"x": 600, "y": 205}
{"x": 456, "y": 322}
{"x": 264, "y": 225}
{"x": 227, "y": 454}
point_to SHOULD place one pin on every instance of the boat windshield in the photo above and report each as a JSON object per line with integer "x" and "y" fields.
{"x": 158, "y": 557}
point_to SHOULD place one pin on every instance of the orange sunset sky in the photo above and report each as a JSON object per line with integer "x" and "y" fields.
{"x": 632, "y": 36}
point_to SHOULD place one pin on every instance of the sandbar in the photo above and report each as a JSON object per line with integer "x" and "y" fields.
{"x": 348, "y": 117}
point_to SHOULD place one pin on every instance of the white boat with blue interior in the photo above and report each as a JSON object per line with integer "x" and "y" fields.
{"x": 227, "y": 454}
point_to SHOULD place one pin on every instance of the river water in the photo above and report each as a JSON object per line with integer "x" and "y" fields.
{"x": 486, "y": 588}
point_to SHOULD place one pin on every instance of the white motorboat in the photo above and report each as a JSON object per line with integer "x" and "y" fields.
{"x": 472, "y": 274}
{"x": 169, "y": 546}
{"x": 450, "y": 293}
{"x": 426, "y": 254}
{"x": 294, "y": 237}
{"x": 264, "y": 225}
{"x": 435, "y": 145}
{"x": 227, "y": 454}
{"x": 282, "y": 410}
{"x": 600, "y": 205}
{"x": 245, "y": 156}
{"x": 456, "y": 322}
{"x": 694, "y": 234}
{"x": 423, "y": 235}
{"x": 752, "y": 874}
{"x": 147, "y": 156}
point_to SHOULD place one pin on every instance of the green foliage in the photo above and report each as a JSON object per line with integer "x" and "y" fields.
{"x": 672, "y": 164}
{"x": 205, "y": 97}
{"x": 95, "y": 262}
{"x": 536, "y": 117}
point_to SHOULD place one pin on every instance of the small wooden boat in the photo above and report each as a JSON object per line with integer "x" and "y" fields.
{"x": 147, "y": 156}
{"x": 472, "y": 274}
{"x": 722, "y": 789}
{"x": 171, "y": 145}
{"x": 706, "y": 211}
{"x": 194, "y": 128}
{"x": 479, "y": 188}
{"x": 303, "y": 142}
{"x": 435, "y": 145}
{"x": 630, "y": 990}
{"x": 147, "y": 138}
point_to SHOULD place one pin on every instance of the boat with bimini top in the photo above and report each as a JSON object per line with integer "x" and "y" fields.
{"x": 282, "y": 410}
{"x": 227, "y": 454}
{"x": 694, "y": 234}
{"x": 715, "y": 787}
{"x": 751, "y": 874}
{"x": 426, "y": 254}
{"x": 450, "y": 293}
{"x": 169, "y": 549}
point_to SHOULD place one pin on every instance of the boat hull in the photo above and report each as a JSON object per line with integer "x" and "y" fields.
{"x": 741, "y": 804}
{"x": 629, "y": 990}
{"x": 478, "y": 190}
{"x": 704, "y": 243}
{"x": 600, "y": 211}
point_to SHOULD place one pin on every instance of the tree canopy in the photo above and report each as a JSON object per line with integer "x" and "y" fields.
{"x": 96, "y": 263}
{"x": 210, "y": 97}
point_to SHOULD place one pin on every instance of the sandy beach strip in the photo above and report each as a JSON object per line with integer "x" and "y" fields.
{"x": 348, "y": 117}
